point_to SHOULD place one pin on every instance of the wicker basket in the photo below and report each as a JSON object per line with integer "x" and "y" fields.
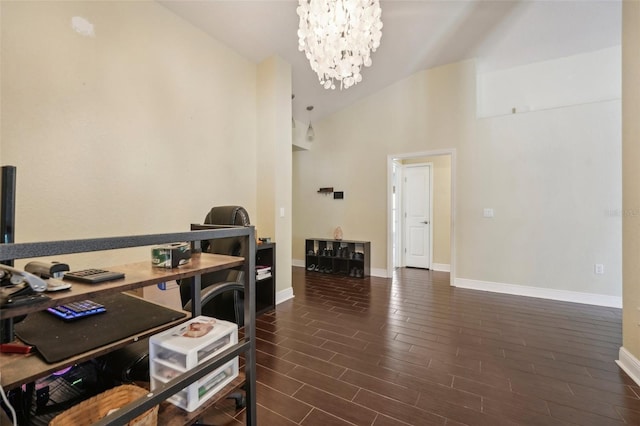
{"x": 97, "y": 407}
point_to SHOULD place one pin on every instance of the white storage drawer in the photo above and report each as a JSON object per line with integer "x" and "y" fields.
{"x": 181, "y": 348}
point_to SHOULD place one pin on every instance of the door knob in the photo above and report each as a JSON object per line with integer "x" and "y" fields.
{"x": 426, "y": 222}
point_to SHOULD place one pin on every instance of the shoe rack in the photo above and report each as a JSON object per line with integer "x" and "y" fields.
{"x": 340, "y": 257}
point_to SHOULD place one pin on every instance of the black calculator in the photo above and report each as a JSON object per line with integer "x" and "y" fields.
{"x": 93, "y": 276}
{"x": 75, "y": 310}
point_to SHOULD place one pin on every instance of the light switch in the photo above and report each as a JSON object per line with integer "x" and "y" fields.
{"x": 488, "y": 212}
{"x": 281, "y": 211}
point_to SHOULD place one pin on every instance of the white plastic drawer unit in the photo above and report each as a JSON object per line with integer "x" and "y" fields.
{"x": 181, "y": 348}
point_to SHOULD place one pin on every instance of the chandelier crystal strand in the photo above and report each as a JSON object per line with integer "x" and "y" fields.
{"x": 338, "y": 37}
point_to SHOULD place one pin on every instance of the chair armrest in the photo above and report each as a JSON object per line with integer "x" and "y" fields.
{"x": 214, "y": 290}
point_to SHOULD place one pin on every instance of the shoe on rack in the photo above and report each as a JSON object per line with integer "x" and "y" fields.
{"x": 352, "y": 273}
{"x": 317, "y": 269}
{"x": 359, "y": 273}
{"x": 311, "y": 267}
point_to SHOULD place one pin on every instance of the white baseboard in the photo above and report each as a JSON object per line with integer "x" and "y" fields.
{"x": 629, "y": 364}
{"x": 377, "y": 272}
{"x": 443, "y": 267}
{"x": 545, "y": 293}
{"x": 284, "y": 295}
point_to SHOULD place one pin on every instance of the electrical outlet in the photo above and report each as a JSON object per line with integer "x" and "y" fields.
{"x": 598, "y": 269}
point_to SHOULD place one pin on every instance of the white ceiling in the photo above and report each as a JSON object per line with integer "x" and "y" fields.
{"x": 417, "y": 35}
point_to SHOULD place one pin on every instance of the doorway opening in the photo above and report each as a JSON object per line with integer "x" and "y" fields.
{"x": 421, "y": 211}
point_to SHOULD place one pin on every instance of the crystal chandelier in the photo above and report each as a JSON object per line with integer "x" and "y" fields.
{"x": 338, "y": 37}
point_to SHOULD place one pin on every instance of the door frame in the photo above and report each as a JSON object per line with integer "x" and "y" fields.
{"x": 390, "y": 183}
{"x": 402, "y": 234}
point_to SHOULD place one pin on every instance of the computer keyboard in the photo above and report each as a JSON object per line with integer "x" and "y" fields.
{"x": 75, "y": 310}
{"x": 93, "y": 276}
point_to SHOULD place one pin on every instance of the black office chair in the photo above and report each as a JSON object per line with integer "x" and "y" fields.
{"x": 222, "y": 292}
{"x": 222, "y": 297}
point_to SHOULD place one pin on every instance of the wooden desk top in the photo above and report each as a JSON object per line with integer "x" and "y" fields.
{"x": 18, "y": 369}
{"x": 140, "y": 274}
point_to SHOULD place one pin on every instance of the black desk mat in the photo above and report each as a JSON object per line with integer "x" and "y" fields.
{"x": 126, "y": 315}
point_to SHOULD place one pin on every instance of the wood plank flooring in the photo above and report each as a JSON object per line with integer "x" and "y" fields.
{"x": 414, "y": 351}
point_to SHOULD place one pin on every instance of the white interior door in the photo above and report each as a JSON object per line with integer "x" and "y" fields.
{"x": 417, "y": 216}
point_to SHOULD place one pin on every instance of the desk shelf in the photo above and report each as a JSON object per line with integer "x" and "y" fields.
{"x": 137, "y": 275}
{"x": 20, "y": 369}
{"x": 170, "y": 415}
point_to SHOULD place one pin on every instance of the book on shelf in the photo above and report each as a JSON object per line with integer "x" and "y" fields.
{"x": 263, "y": 276}
{"x": 263, "y": 272}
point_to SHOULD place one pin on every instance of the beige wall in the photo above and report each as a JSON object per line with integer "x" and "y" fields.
{"x": 441, "y": 170}
{"x": 423, "y": 112}
{"x": 139, "y": 129}
{"x": 631, "y": 177}
{"x": 274, "y": 162}
{"x": 551, "y": 177}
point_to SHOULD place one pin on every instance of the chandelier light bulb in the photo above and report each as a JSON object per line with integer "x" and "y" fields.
{"x": 338, "y": 37}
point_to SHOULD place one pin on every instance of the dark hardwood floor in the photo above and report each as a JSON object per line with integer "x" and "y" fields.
{"x": 413, "y": 350}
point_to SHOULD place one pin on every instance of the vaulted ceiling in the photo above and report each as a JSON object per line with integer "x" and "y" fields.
{"x": 417, "y": 35}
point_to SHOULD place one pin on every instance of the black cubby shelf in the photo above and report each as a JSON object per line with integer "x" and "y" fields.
{"x": 266, "y": 286}
{"x": 342, "y": 257}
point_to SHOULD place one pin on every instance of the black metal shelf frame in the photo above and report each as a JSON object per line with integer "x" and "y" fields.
{"x": 247, "y": 345}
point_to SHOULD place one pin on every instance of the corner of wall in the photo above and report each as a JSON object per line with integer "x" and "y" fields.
{"x": 629, "y": 364}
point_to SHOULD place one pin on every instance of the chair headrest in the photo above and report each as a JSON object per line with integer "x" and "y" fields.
{"x": 227, "y": 215}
